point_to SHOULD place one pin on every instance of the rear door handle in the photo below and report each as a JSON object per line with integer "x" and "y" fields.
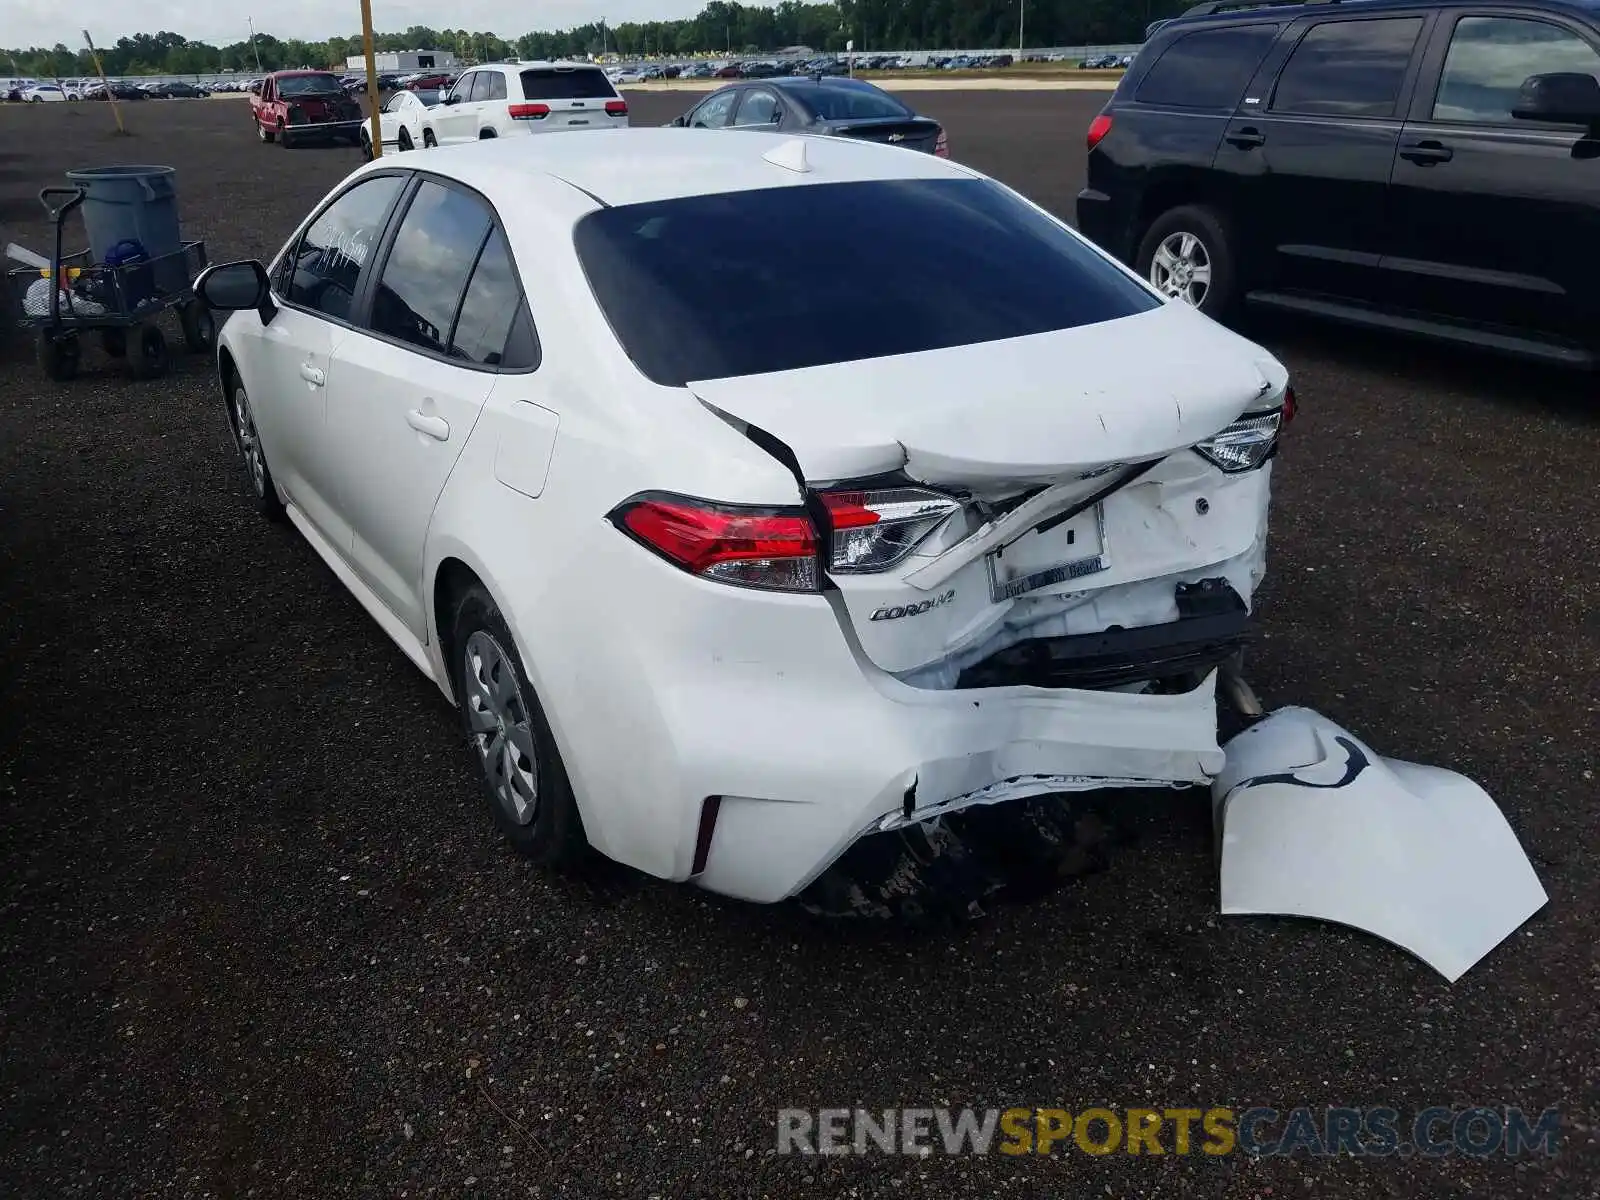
{"x": 435, "y": 427}
{"x": 1246, "y": 139}
{"x": 312, "y": 375}
{"x": 1425, "y": 154}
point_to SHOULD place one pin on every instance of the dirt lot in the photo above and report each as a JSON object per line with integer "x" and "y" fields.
{"x": 260, "y": 939}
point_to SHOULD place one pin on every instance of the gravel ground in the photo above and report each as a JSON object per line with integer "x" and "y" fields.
{"x": 259, "y": 937}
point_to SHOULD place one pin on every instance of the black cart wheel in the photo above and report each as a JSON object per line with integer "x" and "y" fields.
{"x": 199, "y": 327}
{"x": 149, "y": 357}
{"x": 114, "y": 342}
{"x": 59, "y": 355}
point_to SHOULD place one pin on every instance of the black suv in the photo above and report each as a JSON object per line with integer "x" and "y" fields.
{"x": 1427, "y": 167}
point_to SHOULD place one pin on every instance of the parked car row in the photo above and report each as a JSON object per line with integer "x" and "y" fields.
{"x": 28, "y": 91}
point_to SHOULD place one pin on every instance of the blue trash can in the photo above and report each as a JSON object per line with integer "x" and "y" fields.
{"x": 137, "y": 204}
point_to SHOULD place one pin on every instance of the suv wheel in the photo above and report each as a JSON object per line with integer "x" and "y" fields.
{"x": 1188, "y": 255}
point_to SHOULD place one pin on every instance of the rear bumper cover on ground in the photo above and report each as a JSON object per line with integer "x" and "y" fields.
{"x": 311, "y": 131}
{"x": 1311, "y": 822}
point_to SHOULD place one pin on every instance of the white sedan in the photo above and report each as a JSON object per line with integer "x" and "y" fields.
{"x": 403, "y": 122}
{"x": 45, "y": 93}
{"x": 727, "y": 566}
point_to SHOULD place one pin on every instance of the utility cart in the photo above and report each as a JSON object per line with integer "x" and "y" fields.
{"x": 119, "y": 298}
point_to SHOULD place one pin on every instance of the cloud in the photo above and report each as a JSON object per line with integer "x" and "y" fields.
{"x": 46, "y": 22}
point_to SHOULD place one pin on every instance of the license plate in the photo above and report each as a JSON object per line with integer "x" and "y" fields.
{"x": 1072, "y": 550}
{"x": 577, "y": 121}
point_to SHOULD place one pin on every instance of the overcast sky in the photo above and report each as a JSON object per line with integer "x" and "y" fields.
{"x": 46, "y": 22}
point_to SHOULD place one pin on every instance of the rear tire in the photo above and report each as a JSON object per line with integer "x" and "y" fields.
{"x": 428, "y": 140}
{"x": 265, "y": 134}
{"x": 60, "y": 355}
{"x": 366, "y": 147}
{"x": 148, "y": 355}
{"x": 405, "y": 140}
{"x": 1187, "y": 254}
{"x": 519, "y": 767}
{"x": 283, "y": 139}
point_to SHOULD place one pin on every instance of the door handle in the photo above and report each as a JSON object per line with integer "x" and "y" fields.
{"x": 435, "y": 427}
{"x": 1246, "y": 139}
{"x": 1425, "y": 154}
{"x": 312, "y": 375}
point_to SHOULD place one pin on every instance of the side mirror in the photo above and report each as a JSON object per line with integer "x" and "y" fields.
{"x": 236, "y": 286}
{"x": 676, "y": 123}
{"x": 453, "y": 98}
{"x": 1566, "y": 97}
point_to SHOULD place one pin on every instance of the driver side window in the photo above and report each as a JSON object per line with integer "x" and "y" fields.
{"x": 462, "y": 91}
{"x": 714, "y": 113}
{"x": 321, "y": 273}
{"x": 759, "y": 108}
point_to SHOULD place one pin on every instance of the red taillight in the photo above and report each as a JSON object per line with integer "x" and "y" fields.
{"x": 771, "y": 548}
{"x": 873, "y": 531}
{"x": 941, "y": 147}
{"x": 528, "y": 112}
{"x": 1098, "y": 128}
{"x": 617, "y": 108}
{"x": 1290, "y": 406}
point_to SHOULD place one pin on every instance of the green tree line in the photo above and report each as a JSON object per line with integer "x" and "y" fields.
{"x": 720, "y": 27}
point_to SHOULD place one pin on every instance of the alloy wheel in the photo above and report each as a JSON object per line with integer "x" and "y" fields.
{"x": 501, "y": 729}
{"x": 1181, "y": 268}
{"x": 249, "y": 442}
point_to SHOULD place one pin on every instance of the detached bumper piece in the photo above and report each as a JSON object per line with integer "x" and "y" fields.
{"x": 1313, "y": 823}
{"x": 1213, "y": 625}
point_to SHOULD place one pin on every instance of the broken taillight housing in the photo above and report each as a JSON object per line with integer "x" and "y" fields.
{"x": 1249, "y": 441}
{"x": 941, "y": 145}
{"x": 874, "y": 530}
{"x": 757, "y": 547}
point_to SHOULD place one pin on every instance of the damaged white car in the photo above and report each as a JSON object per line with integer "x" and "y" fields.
{"x": 757, "y": 498}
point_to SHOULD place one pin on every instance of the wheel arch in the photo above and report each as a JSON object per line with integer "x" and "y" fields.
{"x": 227, "y": 376}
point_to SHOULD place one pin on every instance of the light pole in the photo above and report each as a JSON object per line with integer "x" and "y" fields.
{"x": 1021, "y": 18}
{"x": 253, "y": 45}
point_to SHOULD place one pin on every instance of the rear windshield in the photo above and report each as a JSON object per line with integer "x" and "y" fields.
{"x": 851, "y": 104}
{"x": 580, "y": 83}
{"x": 707, "y": 287}
{"x": 303, "y": 85}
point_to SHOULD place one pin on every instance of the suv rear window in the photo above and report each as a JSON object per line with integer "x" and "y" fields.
{"x": 577, "y": 83}
{"x": 709, "y": 287}
{"x": 1208, "y": 68}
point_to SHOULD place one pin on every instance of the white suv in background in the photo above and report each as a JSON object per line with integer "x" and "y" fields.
{"x": 506, "y": 99}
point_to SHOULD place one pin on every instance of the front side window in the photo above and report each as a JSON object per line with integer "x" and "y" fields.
{"x": 420, "y": 289}
{"x": 1348, "y": 68}
{"x": 323, "y": 269}
{"x": 1489, "y": 59}
{"x": 705, "y": 287}
{"x": 1209, "y": 68}
{"x": 462, "y": 88}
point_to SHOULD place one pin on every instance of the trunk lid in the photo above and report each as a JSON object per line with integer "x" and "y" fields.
{"x": 916, "y": 133}
{"x": 1030, "y": 434}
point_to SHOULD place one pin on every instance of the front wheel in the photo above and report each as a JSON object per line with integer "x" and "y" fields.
{"x": 405, "y": 140}
{"x": 262, "y": 489}
{"x": 265, "y": 134}
{"x": 523, "y": 778}
{"x": 1187, "y": 255}
{"x": 428, "y": 140}
{"x": 366, "y": 147}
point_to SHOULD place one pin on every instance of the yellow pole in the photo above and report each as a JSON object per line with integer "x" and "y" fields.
{"x": 372, "y": 79}
{"x": 111, "y": 99}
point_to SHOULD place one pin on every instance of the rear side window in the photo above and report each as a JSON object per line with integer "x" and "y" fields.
{"x": 491, "y": 304}
{"x": 427, "y": 268}
{"x": 885, "y": 267}
{"x": 577, "y": 83}
{"x": 1209, "y": 68}
{"x": 1348, "y": 68}
{"x": 493, "y": 86}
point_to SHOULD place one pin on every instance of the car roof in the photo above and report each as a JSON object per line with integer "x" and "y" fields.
{"x": 1256, "y": 9}
{"x": 836, "y": 82}
{"x": 305, "y": 71}
{"x": 639, "y": 166}
{"x": 561, "y": 64}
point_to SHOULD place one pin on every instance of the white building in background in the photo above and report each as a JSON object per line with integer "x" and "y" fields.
{"x": 399, "y": 61}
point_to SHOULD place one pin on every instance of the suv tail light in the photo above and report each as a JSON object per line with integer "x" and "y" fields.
{"x": 528, "y": 112}
{"x": 770, "y": 548}
{"x": 1249, "y": 441}
{"x": 874, "y": 530}
{"x": 617, "y": 108}
{"x": 1098, "y": 128}
{"x": 941, "y": 145}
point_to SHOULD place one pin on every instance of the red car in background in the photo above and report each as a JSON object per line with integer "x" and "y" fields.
{"x": 297, "y": 107}
{"x": 428, "y": 83}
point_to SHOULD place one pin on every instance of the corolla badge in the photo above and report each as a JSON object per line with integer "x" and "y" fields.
{"x": 895, "y": 612}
